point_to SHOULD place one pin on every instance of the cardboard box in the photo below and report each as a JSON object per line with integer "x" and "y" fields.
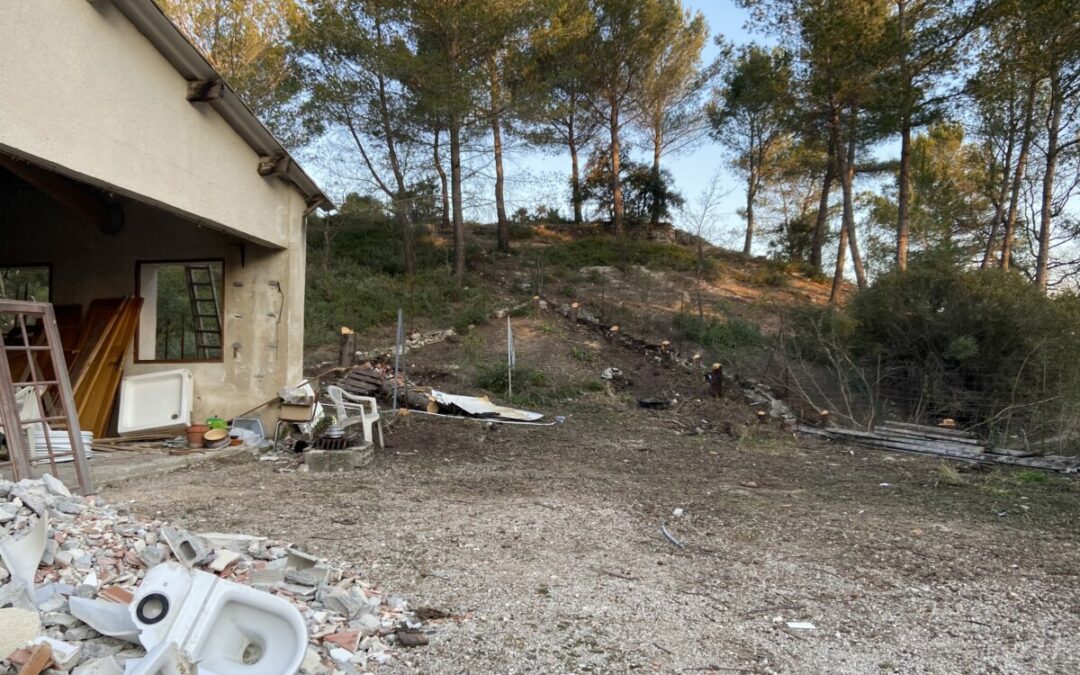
{"x": 291, "y": 412}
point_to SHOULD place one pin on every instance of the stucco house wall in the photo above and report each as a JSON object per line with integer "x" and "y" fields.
{"x": 89, "y": 96}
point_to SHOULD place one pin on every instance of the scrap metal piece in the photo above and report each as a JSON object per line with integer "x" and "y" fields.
{"x": 669, "y": 536}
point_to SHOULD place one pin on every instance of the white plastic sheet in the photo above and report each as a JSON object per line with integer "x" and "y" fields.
{"x": 482, "y": 407}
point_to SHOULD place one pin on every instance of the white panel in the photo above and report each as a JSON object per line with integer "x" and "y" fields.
{"x": 155, "y": 401}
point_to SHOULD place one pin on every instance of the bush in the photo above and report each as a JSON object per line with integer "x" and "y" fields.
{"x": 773, "y": 276}
{"x": 724, "y": 335}
{"x": 622, "y": 253}
{"x": 531, "y": 387}
{"x": 979, "y": 346}
{"x": 364, "y": 232}
{"x": 351, "y": 295}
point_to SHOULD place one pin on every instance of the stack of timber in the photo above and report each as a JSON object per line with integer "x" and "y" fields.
{"x": 98, "y": 359}
{"x": 364, "y": 381}
{"x": 941, "y": 442}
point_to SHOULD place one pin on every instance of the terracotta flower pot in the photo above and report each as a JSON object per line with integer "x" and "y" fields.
{"x": 195, "y": 435}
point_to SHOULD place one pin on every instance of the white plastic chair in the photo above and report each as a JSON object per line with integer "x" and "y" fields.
{"x": 356, "y": 404}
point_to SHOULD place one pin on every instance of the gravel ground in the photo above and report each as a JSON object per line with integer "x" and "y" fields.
{"x": 545, "y": 547}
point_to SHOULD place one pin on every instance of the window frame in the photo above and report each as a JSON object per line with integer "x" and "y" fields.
{"x": 138, "y": 292}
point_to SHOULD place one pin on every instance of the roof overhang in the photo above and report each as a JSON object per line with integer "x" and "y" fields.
{"x": 186, "y": 58}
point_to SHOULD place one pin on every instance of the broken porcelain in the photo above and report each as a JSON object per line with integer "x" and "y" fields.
{"x": 227, "y": 628}
{"x": 23, "y": 555}
{"x": 164, "y": 659}
{"x": 108, "y": 618}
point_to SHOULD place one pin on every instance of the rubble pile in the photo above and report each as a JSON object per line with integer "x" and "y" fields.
{"x": 99, "y": 551}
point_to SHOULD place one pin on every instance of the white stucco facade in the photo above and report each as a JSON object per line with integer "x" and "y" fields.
{"x": 87, "y": 94}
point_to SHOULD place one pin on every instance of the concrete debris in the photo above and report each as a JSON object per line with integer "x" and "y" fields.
{"x": 223, "y": 559}
{"x": 611, "y": 374}
{"x": 94, "y": 556}
{"x": 17, "y": 627}
{"x": 188, "y": 548}
{"x": 64, "y": 654}
{"x": 328, "y": 461}
{"x": 411, "y": 638}
{"x": 107, "y": 665}
{"x": 239, "y": 543}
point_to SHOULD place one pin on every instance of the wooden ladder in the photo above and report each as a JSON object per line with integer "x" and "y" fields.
{"x": 205, "y": 310}
{"x": 48, "y": 385}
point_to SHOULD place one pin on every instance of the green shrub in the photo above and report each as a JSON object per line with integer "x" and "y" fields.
{"x": 771, "y": 276}
{"x": 351, "y": 295}
{"x": 376, "y": 245}
{"x": 532, "y": 387}
{"x": 729, "y": 334}
{"x": 1032, "y": 476}
{"x": 521, "y": 231}
{"x": 621, "y": 252}
{"x": 979, "y": 346}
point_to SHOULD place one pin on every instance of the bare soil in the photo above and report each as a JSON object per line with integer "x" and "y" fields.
{"x": 544, "y": 544}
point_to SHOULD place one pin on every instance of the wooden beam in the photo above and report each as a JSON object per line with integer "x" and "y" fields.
{"x": 274, "y": 165}
{"x": 71, "y": 194}
{"x": 204, "y": 91}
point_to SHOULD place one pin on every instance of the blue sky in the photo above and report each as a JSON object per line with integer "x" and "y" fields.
{"x": 535, "y": 178}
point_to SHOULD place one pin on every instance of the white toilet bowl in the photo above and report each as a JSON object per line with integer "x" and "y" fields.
{"x": 224, "y": 627}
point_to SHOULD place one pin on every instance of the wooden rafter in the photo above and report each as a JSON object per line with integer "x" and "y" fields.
{"x": 71, "y": 194}
{"x": 204, "y": 91}
{"x": 274, "y": 165}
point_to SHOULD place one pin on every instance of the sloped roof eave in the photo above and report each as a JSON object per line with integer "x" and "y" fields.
{"x": 186, "y": 58}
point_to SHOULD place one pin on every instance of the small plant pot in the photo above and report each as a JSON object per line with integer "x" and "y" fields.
{"x": 195, "y": 435}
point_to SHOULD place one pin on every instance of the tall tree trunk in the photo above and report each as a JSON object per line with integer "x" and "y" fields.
{"x": 654, "y": 215}
{"x": 455, "y": 186}
{"x": 751, "y": 190}
{"x": 496, "y": 136}
{"x": 575, "y": 177}
{"x": 838, "y": 275}
{"x": 822, "y": 221}
{"x": 1053, "y": 132}
{"x": 404, "y": 221}
{"x": 616, "y": 169}
{"x": 402, "y": 204}
{"x": 444, "y": 187}
{"x": 847, "y": 179}
{"x": 1021, "y": 168}
{"x": 999, "y": 208}
{"x": 903, "y": 203}
{"x": 839, "y": 154}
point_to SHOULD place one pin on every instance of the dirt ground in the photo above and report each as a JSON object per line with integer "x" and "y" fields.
{"x": 545, "y": 545}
